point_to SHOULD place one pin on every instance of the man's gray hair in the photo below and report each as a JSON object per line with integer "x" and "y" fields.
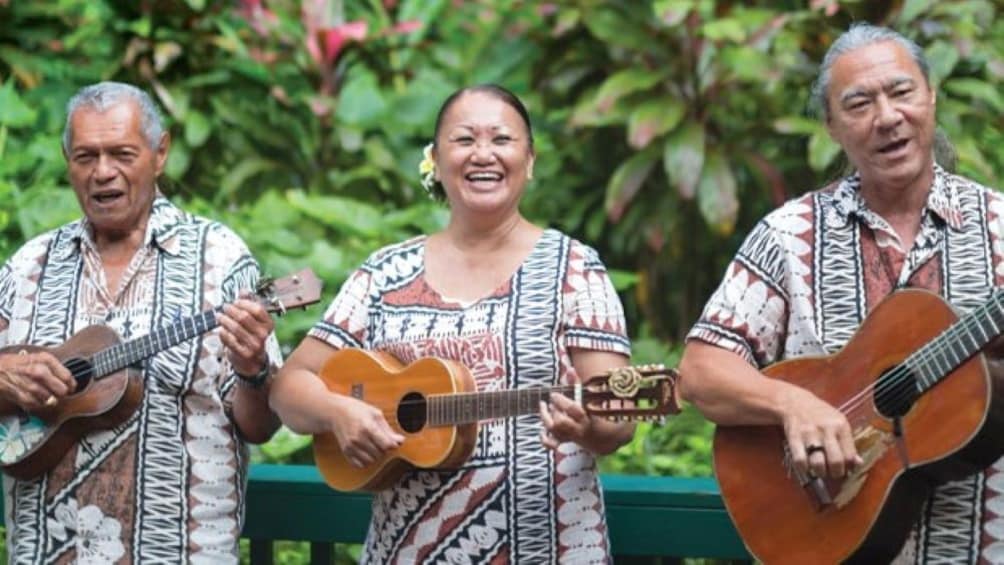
{"x": 858, "y": 36}
{"x": 103, "y": 96}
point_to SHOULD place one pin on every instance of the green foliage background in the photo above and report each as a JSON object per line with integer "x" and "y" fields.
{"x": 664, "y": 129}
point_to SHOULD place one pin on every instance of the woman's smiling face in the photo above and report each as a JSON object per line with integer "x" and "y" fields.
{"x": 483, "y": 154}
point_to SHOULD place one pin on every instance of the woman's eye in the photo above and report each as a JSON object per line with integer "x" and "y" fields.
{"x": 502, "y": 139}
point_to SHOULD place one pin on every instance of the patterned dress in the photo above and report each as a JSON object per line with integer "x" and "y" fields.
{"x": 167, "y": 485}
{"x": 514, "y": 500}
{"x": 810, "y": 272}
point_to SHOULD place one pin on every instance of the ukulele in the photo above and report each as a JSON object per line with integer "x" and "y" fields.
{"x": 434, "y": 404}
{"x": 109, "y": 387}
{"x": 923, "y": 410}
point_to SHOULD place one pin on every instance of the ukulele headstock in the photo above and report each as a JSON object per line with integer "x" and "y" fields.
{"x": 299, "y": 290}
{"x": 641, "y": 392}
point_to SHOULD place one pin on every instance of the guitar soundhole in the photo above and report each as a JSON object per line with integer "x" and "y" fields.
{"x": 82, "y": 371}
{"x": 411, "y": 412}
{"x": 895, "y": 392}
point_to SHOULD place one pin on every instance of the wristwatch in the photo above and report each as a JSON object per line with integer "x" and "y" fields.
{"x": 257, "y": 380}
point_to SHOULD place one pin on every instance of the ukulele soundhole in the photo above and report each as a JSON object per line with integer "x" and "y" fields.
{"x": 411, "y": 412}
{"x": 82, "y": 371}
{"x": 895, "y": 392}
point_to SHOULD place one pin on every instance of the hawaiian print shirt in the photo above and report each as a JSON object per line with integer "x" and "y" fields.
{"x": 167, "y": 485}
{"x": 812, "y": 270}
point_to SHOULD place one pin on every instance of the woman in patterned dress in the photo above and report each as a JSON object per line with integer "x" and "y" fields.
{"x": 519, "y": 306}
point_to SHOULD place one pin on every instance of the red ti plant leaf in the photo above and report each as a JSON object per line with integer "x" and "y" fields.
{"x": 683, "y": 158}
{"x": 716, "y": 193}
{"x": 653, "y": 118}
{"x": 626, "y": 181}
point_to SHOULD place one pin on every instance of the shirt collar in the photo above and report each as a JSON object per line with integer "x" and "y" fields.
{"x": 161, "y": 230}
{"x": 942, "y": 200}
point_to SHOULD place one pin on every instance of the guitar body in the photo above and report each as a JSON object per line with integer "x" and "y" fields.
{"x": 31, "y": 444}
{"x": 952, "y": 430}
{"x": 382, "y": 381}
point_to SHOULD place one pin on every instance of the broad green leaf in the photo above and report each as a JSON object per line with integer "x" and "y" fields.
{"x": 13, "y": 110}
{"x": 361, "y": 101}
{"x": 725, "y": 29}
{"x": 913, "y": 8}
{"x": 178, "y": 160}
{"x": 239, "y": 174}
{"x": 197, "y": 5}
{"x": 343, "y": 214}
{"x": 671, "y": 12}
{"x": 626, "y": 181}
{"x": 822, "y": 150}
{"x": 977, "y": 89}
{"x": 683, "y": 158}
{"x": 587, "y": 113}
{"x": 941, "y": 59}
{"x": 623, "y": 280}
{"x": 616, "y": 28}
{"x": 625, "y": 82}
{"x": 716, "y": 193}
{"x": 197, "y": 129}
{"x": 653, "y": 118}
{"x": 797, "y": 125}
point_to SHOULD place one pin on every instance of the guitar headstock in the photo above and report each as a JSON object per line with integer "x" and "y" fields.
{"x": 641, "y": 392}
{"x": 299, "y": 290}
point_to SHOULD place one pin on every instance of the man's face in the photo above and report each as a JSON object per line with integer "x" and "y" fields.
{"x": 112, "y": 168}
{"x": 882, "y": 114}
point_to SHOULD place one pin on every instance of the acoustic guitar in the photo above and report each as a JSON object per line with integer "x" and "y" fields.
{"x": 923, "y": 409}
{"x": 109, "y": 387}
{"x": 434, "y": 404}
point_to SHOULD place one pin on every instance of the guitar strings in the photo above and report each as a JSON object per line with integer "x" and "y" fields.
{"x": 893, "y": 380}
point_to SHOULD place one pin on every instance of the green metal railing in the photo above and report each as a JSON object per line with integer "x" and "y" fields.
{"x": 651, "y": 519}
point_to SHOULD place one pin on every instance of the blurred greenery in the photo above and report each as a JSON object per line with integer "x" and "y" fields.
{"x": 664, "y": 129}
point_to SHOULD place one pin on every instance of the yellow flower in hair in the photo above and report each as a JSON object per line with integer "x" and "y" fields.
{"x": 427, "y": 169}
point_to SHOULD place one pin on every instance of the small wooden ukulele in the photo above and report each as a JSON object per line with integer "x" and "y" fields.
{"x": 109, "y": 388}
{"x": 434, "y": 404}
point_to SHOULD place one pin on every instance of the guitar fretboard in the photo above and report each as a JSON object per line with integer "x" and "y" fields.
{"x": 963, "y": 339}
{"x": 122, "y": 355}
{"x": 470, "y": 407}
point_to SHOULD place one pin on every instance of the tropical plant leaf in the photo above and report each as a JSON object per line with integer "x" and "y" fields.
{"x": 683, "y": 158}
{"x": 626, "y": 181}
{"x": 653, "y": 118}
{"x": 717, "y": 193}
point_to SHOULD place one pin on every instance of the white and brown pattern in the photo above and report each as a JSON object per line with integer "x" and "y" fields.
{"x": 166, "y": 485}
{"x": 513, "y": 501}
{"x": 810, "y": 272}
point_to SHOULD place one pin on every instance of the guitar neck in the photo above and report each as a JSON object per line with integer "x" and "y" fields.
{"x": 963, "y": 339}
{"x": 125, "y": 354}
{"x": 471, "y": 407}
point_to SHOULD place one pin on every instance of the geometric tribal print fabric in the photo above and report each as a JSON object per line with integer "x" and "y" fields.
{"x": 514, "y": 500}
{"x": 165, "y": 486}
{"x": 809, "y": 273}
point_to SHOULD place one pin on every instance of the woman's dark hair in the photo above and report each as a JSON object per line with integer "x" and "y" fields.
{"x": 499, "y": 92}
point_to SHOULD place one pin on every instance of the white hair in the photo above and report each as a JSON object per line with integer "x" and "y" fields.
{"x": 103, "y": 96}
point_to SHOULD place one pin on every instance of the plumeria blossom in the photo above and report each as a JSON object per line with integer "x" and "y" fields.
{"x": 427, "y": 169}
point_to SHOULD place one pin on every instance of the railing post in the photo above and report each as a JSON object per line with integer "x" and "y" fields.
{"x": 261, "y": 552}
{"x": 322, "y": 553}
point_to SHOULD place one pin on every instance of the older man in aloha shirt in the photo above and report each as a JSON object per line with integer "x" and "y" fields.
{"x": 167, "y": 485}
{"x": 513, "y": 501}
{"x": 809, "y": 273}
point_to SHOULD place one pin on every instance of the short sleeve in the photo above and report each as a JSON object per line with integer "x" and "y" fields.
{"x": 593, "y": 314}
{"x": 346, "y": 320}
{"x": 747, "y": 315}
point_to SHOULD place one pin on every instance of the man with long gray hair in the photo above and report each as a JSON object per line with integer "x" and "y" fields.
{"x": 165, "y": 483}
{"x": 801, "y": 286}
